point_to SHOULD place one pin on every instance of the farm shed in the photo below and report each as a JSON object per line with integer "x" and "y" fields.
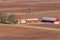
{"x": 32, "y": 20}
{"x": 50, "y": 20}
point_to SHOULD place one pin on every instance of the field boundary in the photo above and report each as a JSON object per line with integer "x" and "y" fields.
{"x": 33, "y": 27}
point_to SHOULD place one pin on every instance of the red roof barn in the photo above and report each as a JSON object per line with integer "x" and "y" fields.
{"x": 32, "y": 20}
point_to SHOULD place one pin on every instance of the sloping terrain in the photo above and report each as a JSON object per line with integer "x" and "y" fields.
{"x": 28, "y": 7}
{"x": 19, "y": 33}
{"x": 30, "y": 10}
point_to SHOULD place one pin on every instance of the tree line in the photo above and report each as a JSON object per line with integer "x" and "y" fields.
{"x": 4, "y": 18}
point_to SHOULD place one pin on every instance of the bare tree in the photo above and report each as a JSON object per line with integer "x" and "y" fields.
{"x": 12, "y": 18}
{"x": 29, "y": 10}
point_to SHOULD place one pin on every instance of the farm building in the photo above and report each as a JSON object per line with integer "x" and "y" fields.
{"x": 32, "y": 20}
{"x": 21, "y": 20}
{"x": 50, "y": 20}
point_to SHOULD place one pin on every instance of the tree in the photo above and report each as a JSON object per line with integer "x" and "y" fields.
{"x": 3, "y": 17}
{"x": 12, "y": 18}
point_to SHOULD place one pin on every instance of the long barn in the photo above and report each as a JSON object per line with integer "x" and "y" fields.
{"x": 50, "y": 20}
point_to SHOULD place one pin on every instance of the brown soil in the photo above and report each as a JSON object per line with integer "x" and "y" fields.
{"x": 18, "y": 33}
{"x": 29, "y": 7}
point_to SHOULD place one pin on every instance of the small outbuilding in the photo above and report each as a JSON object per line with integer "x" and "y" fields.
{"x": 21, "y": 20}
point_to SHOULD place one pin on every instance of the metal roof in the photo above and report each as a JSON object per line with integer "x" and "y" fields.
{"x": 49, "y": 18}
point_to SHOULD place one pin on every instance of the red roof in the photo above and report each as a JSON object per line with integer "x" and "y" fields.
{"x": 21, "y": 18}
{"x": 57, "y": 20}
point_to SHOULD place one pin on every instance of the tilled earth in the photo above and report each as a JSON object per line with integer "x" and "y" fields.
{"x": 19, "y": 33}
